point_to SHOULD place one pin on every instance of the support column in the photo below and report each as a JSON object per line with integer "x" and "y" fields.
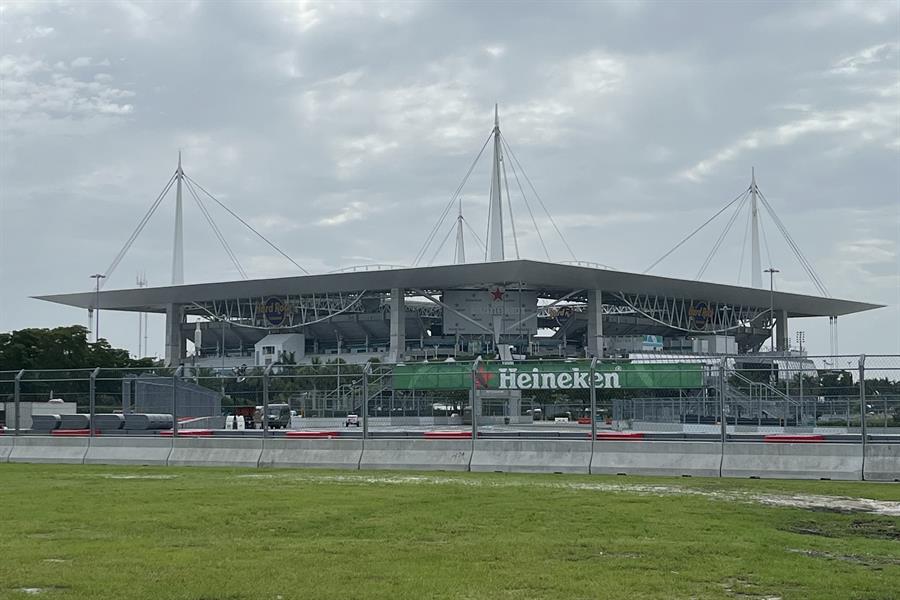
{"x": 175, "y": 347}
{"x": 781, "y": 331}
{"x": 595, "y": 323}
{"x": 398, "y": 325}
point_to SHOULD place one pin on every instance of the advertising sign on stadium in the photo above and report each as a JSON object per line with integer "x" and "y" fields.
{"x": 274, "y": 309}
{"x": 547, "y": 376}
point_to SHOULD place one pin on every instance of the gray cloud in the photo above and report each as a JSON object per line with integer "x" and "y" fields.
{"x": 340, "y": 130}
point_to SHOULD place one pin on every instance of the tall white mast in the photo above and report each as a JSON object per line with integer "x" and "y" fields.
{"x": 756, "y": 267}
{"x": 495, "y": 211}
{"x": 178, "y": 249}
{"x": 460, "y": 243}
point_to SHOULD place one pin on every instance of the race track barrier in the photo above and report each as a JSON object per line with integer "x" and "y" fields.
{"x": 637, "y": 457}
{"x": 807, "y": 457}
{"x": 6, "y": 446}
{"x": 792, "y": 460}
{"x": 109, "y": 422}
{"x": 128, "y": 450}
{"x": 429, "y": 454}
{"x": 882, "y": 462}
{"x": 532, "y": 456}
{"x": 76, "y": 421}
{"x": 49, "y": 449}
{"x": 209, "y": 451}
{"x": 317, "y": 451}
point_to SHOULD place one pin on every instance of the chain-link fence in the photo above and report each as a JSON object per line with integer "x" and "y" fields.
{"x": 702, "y": 394}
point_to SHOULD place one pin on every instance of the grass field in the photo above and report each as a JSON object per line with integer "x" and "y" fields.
{"x": 111, "y": 532}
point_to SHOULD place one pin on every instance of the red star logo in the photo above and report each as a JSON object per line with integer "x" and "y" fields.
{"x": 483, "y": 378}
{"x": 497, "y": 294}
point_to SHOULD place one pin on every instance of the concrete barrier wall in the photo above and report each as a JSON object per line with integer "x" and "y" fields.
{"x": 418, "y": 454}
{"x": 6, "y": 446}
{"x": 315, "y": 453}
{"x": 638, "y": 457}
{"x": 215, "y": 452}
{"x": 532, "y": 456}
{"x": 793, "y": 460}
{"x": 128, "y": 450}
{"x": 49, "y": 449}
{"x": 882, "y": 462}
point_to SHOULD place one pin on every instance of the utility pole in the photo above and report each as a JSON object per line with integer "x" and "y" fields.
{"x": 771, "y": 271}
{"x": 772, "y": 381}
{"x": 98, "y": 277}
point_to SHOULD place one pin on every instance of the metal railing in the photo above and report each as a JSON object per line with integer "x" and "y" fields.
{"x": 839, "y": 395}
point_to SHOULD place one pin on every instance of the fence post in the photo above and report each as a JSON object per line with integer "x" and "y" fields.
{"x": 862, "y": 410}
{"x": 593, "y": 405}
{"x": 475, "y": 400}
{"x": 724, "y": 428}
{"x": 17, "y": 397}
{"x": 93, "y": 400}
{"x": 367, "y": 369}
{"x": 175, "y": 377}
{"x": 265, "y": 415}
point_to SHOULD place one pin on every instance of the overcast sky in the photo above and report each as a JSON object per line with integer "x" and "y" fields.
{"x": 341, "y": 130}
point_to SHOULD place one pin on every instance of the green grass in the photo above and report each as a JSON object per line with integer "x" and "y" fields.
{"x": 119, "y": 532}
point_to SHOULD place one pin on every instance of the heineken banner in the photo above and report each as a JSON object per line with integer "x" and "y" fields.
{"x": 547, "y": 376}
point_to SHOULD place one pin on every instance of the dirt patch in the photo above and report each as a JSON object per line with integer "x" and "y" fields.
{"x": 872, "y": 528}
{"x": 871, "y": 561}
{"x": 885, "y": 529}
{"x": 745, "y": 590}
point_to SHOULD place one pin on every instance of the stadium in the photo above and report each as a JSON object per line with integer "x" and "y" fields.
{"x": 533, "y": 309}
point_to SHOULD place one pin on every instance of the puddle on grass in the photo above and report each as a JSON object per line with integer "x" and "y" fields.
{"x": 118, "y": 476}
{"x": 36, "y": 591}
{"x": 807, "y": 501}
{"x": 831, "y": 503}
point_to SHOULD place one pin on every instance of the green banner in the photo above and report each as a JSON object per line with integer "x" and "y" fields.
{"x": 557, "y": 375}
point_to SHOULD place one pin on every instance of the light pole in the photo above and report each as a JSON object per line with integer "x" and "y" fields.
{"x": 98, "y": 277}
{"x": 772, "y": 381}
{"x": 801, "y": 337}
{"x": 771, "y": 271}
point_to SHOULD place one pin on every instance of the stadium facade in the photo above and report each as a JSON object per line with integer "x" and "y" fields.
{"x": 525, "y": 308}
{"x": 539, "y": 309}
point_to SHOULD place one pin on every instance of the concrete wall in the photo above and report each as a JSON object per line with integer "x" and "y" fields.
{"x": 637, "y": 457}
{"x": 49, "y": 449}
{"x": 417, "y": 454}
{"x": 882, "y": 462}
{"x": 532, "y": 456}
{"x": 793, "y": 460}
{"x": 128, "y": 450}
{"x": 215, "y": 452}
{"x": 6, "y": 446}
{"x": 315, "y": 453}
{"x": 696, "y": 459}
